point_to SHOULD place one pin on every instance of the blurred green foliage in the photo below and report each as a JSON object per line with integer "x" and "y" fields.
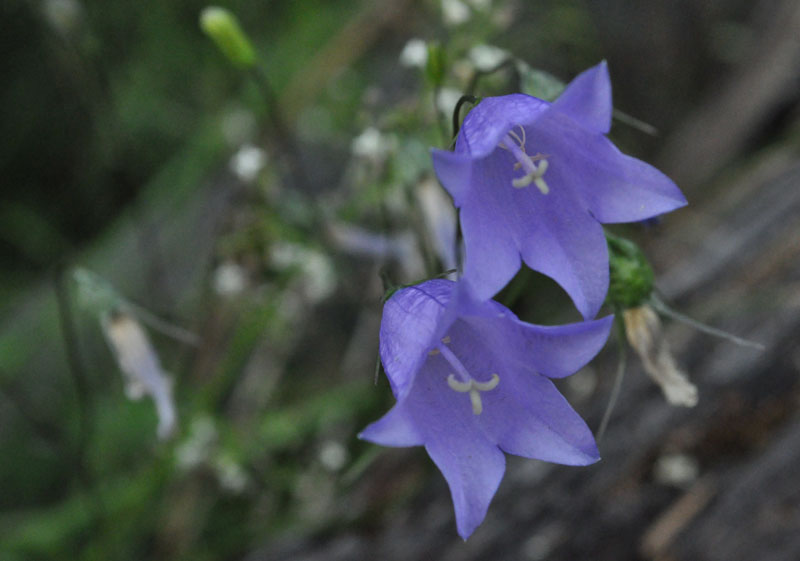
{"x": 120, "y": 118}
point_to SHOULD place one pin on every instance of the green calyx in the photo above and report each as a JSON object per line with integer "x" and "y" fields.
{"x": 630, "y": 275}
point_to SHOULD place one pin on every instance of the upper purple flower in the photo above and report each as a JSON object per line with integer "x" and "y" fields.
{"x": 471, "y": 380}
{"x": 535, "y": 180}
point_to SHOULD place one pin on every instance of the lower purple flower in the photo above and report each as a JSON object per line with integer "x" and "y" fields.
{"x": 472, "y": 380}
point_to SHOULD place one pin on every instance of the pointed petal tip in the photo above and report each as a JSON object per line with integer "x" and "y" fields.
{"x": 591, "y": 457}
{"x": 587, "y": 99}
{"x": 465, "y": 532}
{"x": 394, "y": 429}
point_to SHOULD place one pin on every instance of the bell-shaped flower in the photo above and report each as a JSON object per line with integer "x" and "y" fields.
{"x": 535, "y": 180}
{"x": 472, "y": 381}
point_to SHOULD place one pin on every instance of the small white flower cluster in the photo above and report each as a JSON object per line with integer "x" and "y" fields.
{"x": 457, "y": 12}
{"x": 230, "y": 279}
{"x": 201, "y": 448}
{"x": 248, "y": 162}
{"x": 372, "y": 145}
{"x": 318, "y": 277}
{"x": 487, "y": 57}
{"x": 414, "y": 54}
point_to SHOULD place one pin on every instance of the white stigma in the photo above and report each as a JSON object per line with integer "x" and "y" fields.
{"x": 462, "y": 382}
{"x": 474, "y": 388}
{"x": 515, "y": 144}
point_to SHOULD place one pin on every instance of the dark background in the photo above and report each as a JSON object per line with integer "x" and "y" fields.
{"x": 113, "y": 156}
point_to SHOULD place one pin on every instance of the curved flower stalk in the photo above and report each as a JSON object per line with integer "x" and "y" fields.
{"x": 472, "y": 381}
{"x": 535, "y": 180}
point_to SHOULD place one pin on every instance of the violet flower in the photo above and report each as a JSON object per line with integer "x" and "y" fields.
{"x": 472, "y": 380}
{"x": 534, "y": 180}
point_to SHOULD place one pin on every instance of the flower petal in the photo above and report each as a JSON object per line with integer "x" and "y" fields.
{"x": 491, "y": 259}
{"x": 410, "y": 327}
{"x": 471, "y": 463}
{"x": 626, "y": 189}
{"x": 490, "y": 120}
{"x": 562, "y": 240}
{"x": 393, "y": 429}
{"x": 524, "y": 413}
{"x": 530, "y": 418}
{"x": 453, "y": 171}
{"x": 473, "y": 474}
{"x": 587, "y": 99}
{"x": 554, "y": 351}
{"x": 612, "y": 186}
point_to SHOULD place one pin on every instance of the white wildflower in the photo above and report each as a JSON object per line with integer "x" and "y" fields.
{"x": 371, "y": 144}
{"x": 440, "y": 220}
{"x": 64, "y": 15}
{"x": 455, "y": 12}
{"x": 414, "y": 54}
{"x": 486, "y": 57}
{"x": 333, "y": 456}
{"x": 678, "y": 470}
{"x": 248, "y": 162}
{"x": 318, "y": 278}
{"x": 197, "y": 448}
{"x": 447, "y": 99}
{"x": 230, "y": 279}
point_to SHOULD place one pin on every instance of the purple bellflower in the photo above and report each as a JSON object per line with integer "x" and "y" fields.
{"x": 471, "y": 381}
{"x": 535, "y": 180}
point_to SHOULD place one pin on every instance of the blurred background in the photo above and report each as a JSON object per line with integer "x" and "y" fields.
{"x": 244, "y": 221}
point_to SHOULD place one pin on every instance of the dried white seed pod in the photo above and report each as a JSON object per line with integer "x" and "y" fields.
{"x": 644, "y": 333}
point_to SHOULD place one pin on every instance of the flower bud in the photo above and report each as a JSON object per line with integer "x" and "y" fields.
{"x": 436, "y": 64}
{"x": 223, "y": 28}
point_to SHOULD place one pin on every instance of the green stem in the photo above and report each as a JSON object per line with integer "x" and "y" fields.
{"x": 621, "y": 365}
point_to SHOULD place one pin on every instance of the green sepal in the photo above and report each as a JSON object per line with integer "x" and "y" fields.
{"x": 630, "y": 275}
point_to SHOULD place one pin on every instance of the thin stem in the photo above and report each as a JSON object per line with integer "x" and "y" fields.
{"x": 507, "y": 63}
{"x": 284, "y": 139}
{"x": 76, "y": 368}
{"x": 163, "y": 327}
{"x": 457, "y": 112}
{"x": 663, "y": 308}
{"x": 635, "y": 123}
{"x": 621, "y": 365}
{"x": 440, "y": 122}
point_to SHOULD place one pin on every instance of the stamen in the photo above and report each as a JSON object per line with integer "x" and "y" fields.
{"x": 446, "y": 339}
{"x": 534, "y": 174}
{"x": 474, "y": 388}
